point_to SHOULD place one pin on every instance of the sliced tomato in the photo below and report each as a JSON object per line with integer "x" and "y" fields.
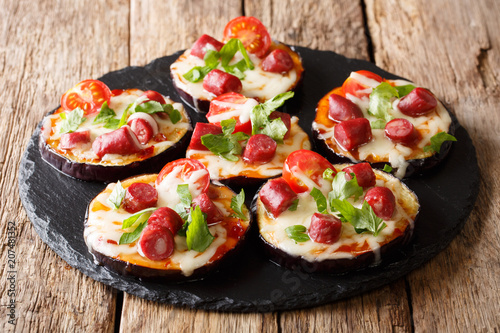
{"x": 252, "y": 33}
{"x": 117, "y": 92}
{"x": 354, "y": 87}
{"x": 187, "y": 166}
{"x": 304, "y": 168}
{"x": 227, "y": 106}
{"x": 154, "y": 96}
{"x": 87, "y": 95}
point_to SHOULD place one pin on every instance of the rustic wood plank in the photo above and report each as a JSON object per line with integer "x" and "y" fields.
{"x": 45, "y": 48}
{"x": 452, "y": 47}
{"x": 176, "y": 25}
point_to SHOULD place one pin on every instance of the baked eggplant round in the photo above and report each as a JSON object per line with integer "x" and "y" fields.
{"x": 112, "y": 246}
{"x": 275, "y": 67}
{"x": 125, "y": 132}
{"x": 383, "y": 122}
{"x": 303, "y": 238}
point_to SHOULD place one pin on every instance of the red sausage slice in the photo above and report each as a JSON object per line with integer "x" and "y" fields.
{"x": 71, "y": 140}
{"x": 167, "y": 218}
{"x": 277, "y": 196}
{"x": 218, "y": 82}
{"x": 363, "y": 172}
{"x": 325, "y": 228}
{"x": 401, "y": 131}
{"x": 121, "y": 141}
{"x": 353, "y": 133}
{"x": 285, "y": 118}
{"x": 156, "y": 242}
{"x": 203, "y": 44}
{"x": 154, "y": 96}
{"x": 142, "y": 129}
{"x": 207, "y": 206}
{"x": 382, "y": 201}
{"x": 260, "y": 149}
{"x": 139, "y": 196}
{"x": 418, "y": 102}
{"x": 340, "y": 109}
{"x": 200, "y": 130}
{"x": 278, "y": 61}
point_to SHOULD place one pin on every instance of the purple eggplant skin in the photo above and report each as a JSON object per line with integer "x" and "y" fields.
{"x": 199, "y": 105}
{"x": 416, "y": 167}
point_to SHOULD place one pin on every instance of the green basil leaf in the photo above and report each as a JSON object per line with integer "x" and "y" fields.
{"x": 72, "y": 120}
{"x": 261, "y": 124}
{"x": 198, "y": 236}
{"x": 437, "y": 140}
{"x": 228, "y": 126}
{"x": 131, "y": 237}
{"x": 366, "y": 221}
{"x": 328, "y": 174}
{"x": 238, "y": 205}
{"x": 116, "y": 196}
{"x": 346, "y": 210}
{"x": 297, "y": 233}
{"x": 387, "y": 168}
{"x": 404, "y": 90}
{"x": 294, "y": 205}
{"x": 112, "y": 123}
{"x": 320, "y": 199}
{"x": 226, "y": 145}
{"x": 184, "y": 195}
{"x": 138, "y": 218}
{"x": 343, "y": 189}
{"x": 197, "y": 73}
{"x": 378, "y": 124}
{"x": 174, "y": 114}
{"x": 149, "y": 107}
{"x": 217, "y": 143}
{"x": 105, "y": 114}
{"x": 380, "y": 102}
{"x": 211, "y": 58}
{"x": 228, "y": 51}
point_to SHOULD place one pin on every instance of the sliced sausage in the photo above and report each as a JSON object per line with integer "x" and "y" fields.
{"x": 71, "y": 140}
{"x": 139, "y": 196}
{"x": 363, "y": 172}
{"x": 340, "y": 109}
{"x": 200, "y": 130}
{"x": 121, "y": 141}
{"x": 207, "y": 206}
{"x": 278, "y": 61}
{"x": 156, "y": 242}
{"x": 382, "y": 201}
{"x": 218, "y": 82}
{"x": 203, "y": 44}
{"x": 401, "y": 131}
{"x": 142, "y": 128}
{"x": 285, "y": 118}
{"x": 167, "y": 218}
{"x": 353, "y": 133}
{"x": 260, "y": 149}
{"x": 154, "y": 96}
{"x": 418, "y": 102}
{"x": 277, "y": 196}
{"x": 325, "y": 228}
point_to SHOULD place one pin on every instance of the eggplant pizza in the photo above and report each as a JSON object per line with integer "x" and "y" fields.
{"x": 172, "y": 225}
{"x": 247, "y": 61}
{"x": 103, "y": 135}
{"x": 383, "y": 121}
{"x": 330, "y": 218}
{"x": 245, "y": 142}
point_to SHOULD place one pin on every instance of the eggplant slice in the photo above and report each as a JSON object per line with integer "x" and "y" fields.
{"x": 103, "y": 231}
{"x": 352, "y": 250}
{"x": 85, "y": 165}
{"x": 272, "y": 83}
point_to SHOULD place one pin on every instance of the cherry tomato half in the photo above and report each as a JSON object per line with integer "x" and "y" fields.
{"x": 228, "y": 103}
{"x": 87, "y": 95}
{"x": 187, "y": 166}
{"x": 354, "y": 87}
{"x": 252, "y": 33}
{"x": 302, "y": 165}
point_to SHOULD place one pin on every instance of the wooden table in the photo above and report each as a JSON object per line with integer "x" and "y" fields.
{"x": 449, "y": 46}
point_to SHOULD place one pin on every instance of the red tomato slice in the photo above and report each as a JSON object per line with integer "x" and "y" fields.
{"x": 154, "y": 96}
{"x": 219, "y": 108}
{"x": 252, "y": 33}
{"x": 354, "y": 87}
{"x": 117, "y": 92}
{"x": 188, "y": 166}
{"x": 87, "y": 95}
{"x": 305, "y": 163}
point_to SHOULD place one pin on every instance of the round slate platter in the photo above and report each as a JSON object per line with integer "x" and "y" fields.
{"x": 56, "y": 206}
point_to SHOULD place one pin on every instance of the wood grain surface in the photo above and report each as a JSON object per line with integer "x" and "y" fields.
{"x": 452, "y": 47}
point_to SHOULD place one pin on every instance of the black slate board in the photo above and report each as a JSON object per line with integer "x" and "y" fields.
{"x": 56, "y": 206}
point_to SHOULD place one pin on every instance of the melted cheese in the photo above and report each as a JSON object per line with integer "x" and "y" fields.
{"x": 273, "y": 229}
{"x": 103, "y": 227}
{"x": 220, "y": 168}
{"x": 256, "y": 84}
{"x": 242, "y": 111}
